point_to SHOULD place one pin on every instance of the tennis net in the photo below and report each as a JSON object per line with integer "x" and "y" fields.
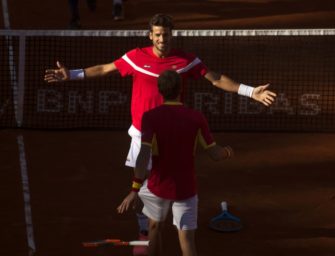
{"x": 299, "y": 65}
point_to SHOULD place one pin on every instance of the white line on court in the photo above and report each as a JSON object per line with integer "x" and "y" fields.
{"x": 20, "y": 142}
{"x": 26, "y": 196}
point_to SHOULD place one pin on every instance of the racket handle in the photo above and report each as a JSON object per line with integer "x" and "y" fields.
{"x": 224, "y": 206}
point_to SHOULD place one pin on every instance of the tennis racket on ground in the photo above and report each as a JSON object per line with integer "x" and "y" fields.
{"x": 225, "y": 222}
{"x": 115, "y": 242}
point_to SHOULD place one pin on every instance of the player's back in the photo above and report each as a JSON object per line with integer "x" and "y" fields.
{"x": 175, "y": 130}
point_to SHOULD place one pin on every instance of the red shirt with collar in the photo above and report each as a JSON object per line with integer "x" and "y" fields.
{"x": 173, "y": 132}
{"x": 145, "y": 67}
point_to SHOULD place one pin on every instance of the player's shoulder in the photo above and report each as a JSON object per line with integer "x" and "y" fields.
{"x": 181, "y": 53}
{"x": 195, "y": 114}
{"x": 151, "y": 113}
{"x": 138, "y": 52}
{"x": 189, "y": 111}
{"x": 194, "y": 111}
{"x": 158, "y": 111}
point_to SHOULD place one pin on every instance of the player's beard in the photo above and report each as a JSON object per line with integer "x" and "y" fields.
{"x": 162, "y": 48}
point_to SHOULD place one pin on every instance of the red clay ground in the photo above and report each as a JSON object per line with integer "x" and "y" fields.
{"x": 281, "y": 185}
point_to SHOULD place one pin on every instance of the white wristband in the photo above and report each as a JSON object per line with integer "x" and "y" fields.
{"x": 245, "y": 90}
{"x": 77, "y": 74}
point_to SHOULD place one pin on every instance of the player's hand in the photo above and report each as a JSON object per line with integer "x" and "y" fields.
{"x": 57, "y": 75}
{"x": 129, "y": 201}
{"x": 264, "y": 96}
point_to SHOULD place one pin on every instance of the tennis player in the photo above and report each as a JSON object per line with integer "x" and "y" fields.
{"x": 170, "y": 134}
{"x": 145, "y": 65}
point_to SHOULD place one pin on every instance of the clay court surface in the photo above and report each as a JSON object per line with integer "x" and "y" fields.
{"x": 280, "y": 184}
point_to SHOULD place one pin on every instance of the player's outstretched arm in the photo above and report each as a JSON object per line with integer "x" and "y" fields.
{"x": 218, "y": 152}
{"x": 100, "y": 70}
{"x": 61, "y": 73}
{"x": 259, "y": 93}
{"x": 221, "y": 81}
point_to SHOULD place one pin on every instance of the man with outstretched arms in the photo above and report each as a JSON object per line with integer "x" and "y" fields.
{"x": 145, "y": 65}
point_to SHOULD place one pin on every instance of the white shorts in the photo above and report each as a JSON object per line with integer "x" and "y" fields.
{"x": 135, "y": 146}
{"x": 185, "y": 212}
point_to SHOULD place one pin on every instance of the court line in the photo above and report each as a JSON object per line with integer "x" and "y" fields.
{"x": 26, "y": 196}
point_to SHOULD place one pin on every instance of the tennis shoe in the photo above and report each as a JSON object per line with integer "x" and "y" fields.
{"x": 141, "y": 250}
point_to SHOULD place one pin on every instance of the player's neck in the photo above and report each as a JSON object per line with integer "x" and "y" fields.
{"x": 161, "y": 54}
{"x": 175, "y": 101}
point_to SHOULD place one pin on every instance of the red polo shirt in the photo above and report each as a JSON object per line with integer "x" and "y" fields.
{"x": 145, "y": 67}
{"x": 173, "y": 131}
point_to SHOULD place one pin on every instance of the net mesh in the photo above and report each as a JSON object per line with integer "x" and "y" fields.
{"x": 299, "y": 65}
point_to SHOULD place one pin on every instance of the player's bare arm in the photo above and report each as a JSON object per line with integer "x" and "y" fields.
{"x": 100, "y": 70}
{"x": 140, "y": 173}
{"x": 62, "y": 73}
{"x": 221, "y": 81}
{"x": 259, "y": 93}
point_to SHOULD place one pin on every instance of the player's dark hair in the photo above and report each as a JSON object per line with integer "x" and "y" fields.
{"x": 161, "y": 20}
{"x": 169, "y": 84}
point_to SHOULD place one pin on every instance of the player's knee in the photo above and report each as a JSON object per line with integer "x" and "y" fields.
{"x": 155, "y": 226}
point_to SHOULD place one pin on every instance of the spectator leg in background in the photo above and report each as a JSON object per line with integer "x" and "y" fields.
{"x": 74, "y": 13}
{"x": 118, "y": 10}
